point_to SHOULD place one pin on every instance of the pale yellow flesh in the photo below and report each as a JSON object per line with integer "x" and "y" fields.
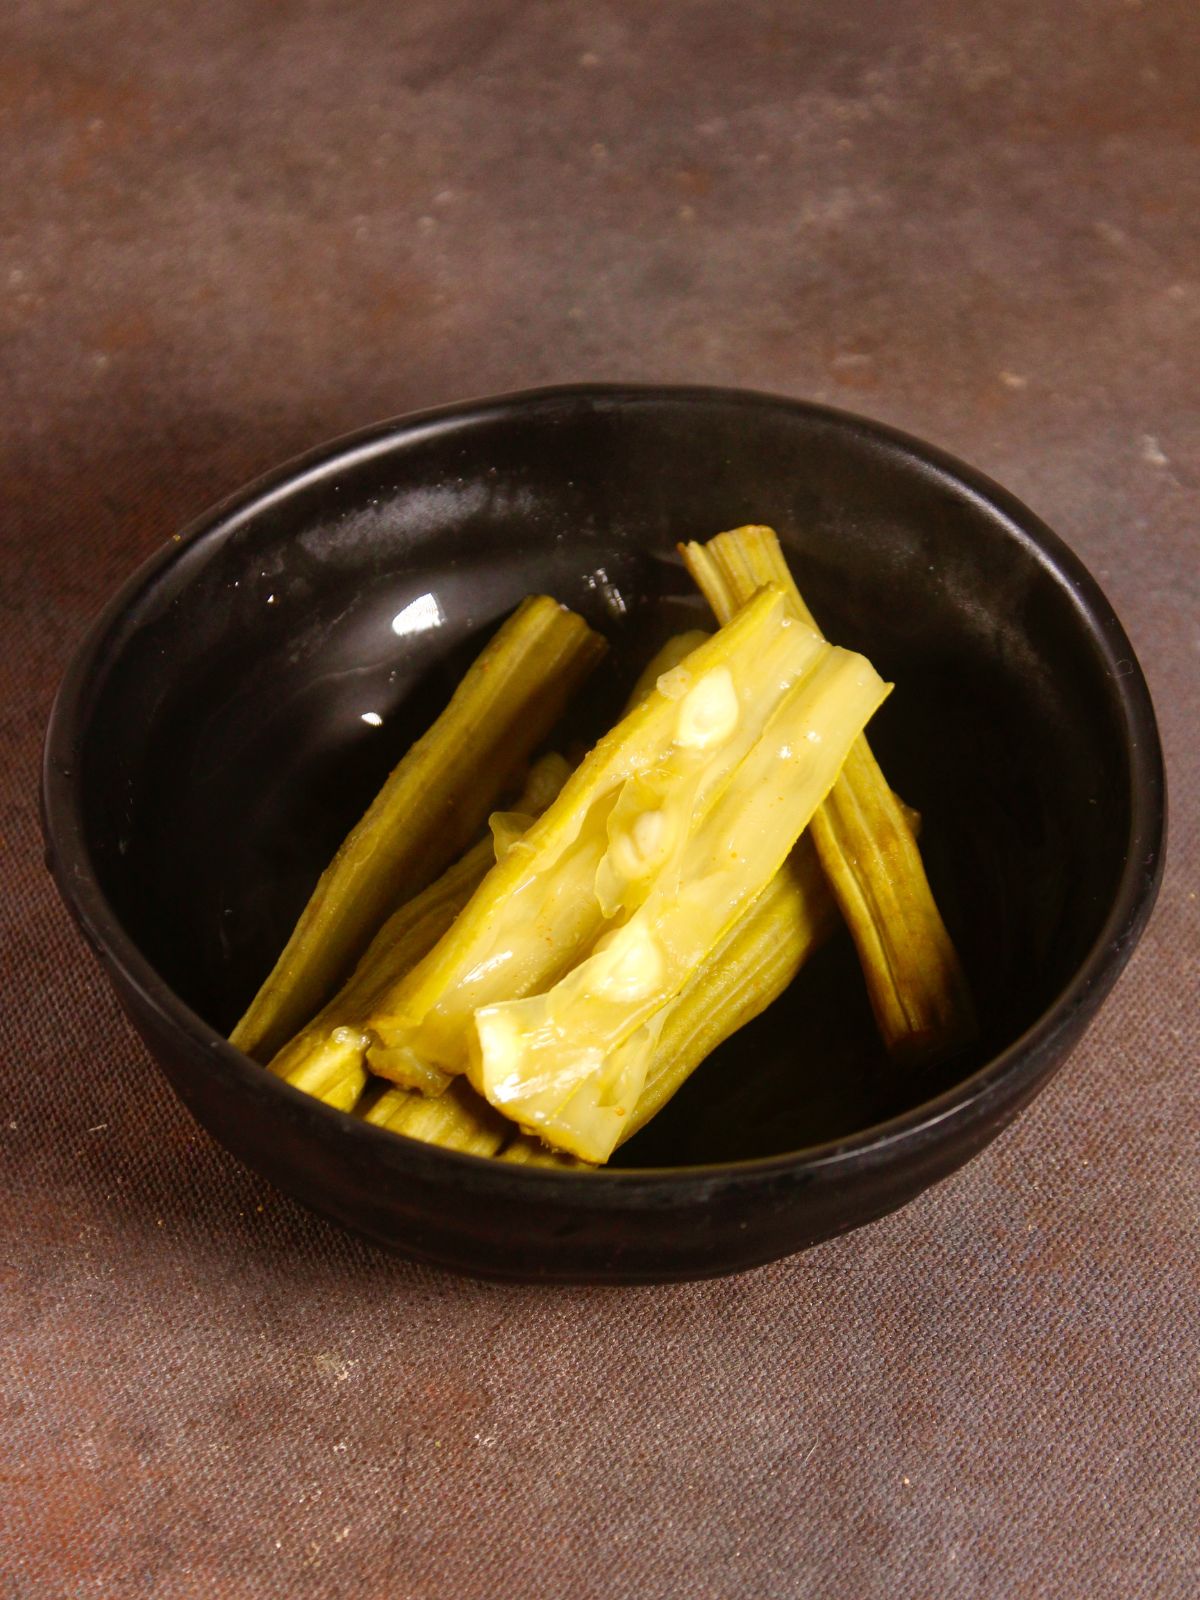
{"x": 428, "y": 810}
{"x": 571, "y": 1062}
{"x": 748, "y": 970}
{"x": 461, "y": 1119}
{"x": 667, "y": 658}
{"x": 327, "y": 1058}
{"x": 866, "y": 844}
{"x": 536, "y": 912}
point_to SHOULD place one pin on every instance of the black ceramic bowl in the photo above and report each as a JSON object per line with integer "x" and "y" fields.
{"x": 209, "y": 748}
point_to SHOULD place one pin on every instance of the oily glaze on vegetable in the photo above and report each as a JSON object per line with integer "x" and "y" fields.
{"x": 549, "y": 993}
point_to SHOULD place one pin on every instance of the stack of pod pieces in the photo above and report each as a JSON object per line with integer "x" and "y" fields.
{"x": 547, "y": 994}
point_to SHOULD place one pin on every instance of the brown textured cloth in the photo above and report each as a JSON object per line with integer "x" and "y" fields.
{"x": 229, "y": 230}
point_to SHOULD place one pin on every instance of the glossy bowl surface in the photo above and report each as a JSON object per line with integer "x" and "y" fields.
{"x": 234, "y": 708}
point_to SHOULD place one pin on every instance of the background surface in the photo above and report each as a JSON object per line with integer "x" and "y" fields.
{"x": 231, "y": 230}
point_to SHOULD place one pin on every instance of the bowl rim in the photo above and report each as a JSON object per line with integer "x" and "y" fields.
{"x": 1001, "y": 1079}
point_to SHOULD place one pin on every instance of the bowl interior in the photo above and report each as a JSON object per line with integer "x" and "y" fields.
{"x": 262, "y": 683}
